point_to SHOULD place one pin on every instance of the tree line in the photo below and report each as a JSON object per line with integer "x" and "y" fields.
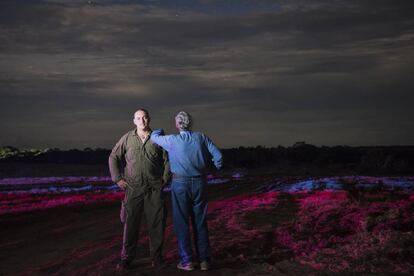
{"x": 300, "y": 156}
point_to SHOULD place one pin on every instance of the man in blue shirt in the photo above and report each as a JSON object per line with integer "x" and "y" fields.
{"x": 192, "y": 155}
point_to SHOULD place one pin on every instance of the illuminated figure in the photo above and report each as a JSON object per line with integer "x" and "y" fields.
{"x": 192, "y": 155}
{"x": 144, "y": 175}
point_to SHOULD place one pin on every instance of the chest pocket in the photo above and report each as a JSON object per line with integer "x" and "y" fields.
{"x": 155, "y": 151}
{"x": 133, "y": 153}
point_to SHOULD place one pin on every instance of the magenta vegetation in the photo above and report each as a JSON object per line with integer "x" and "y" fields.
{"x": 334, "y": 232}
{"x": 24, "y": 202}
{"x": 348, "y": 224}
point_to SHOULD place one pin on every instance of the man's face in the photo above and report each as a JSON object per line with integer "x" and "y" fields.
{"x": 141, "y": 120}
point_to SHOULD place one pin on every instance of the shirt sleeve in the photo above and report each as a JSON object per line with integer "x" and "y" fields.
{"x": 215, "y": 152}
{"x": 117, "y": 153}
{"x": 158, "y": 137}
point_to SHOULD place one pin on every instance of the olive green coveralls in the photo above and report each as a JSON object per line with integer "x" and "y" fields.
{"x": 146, "y": 170}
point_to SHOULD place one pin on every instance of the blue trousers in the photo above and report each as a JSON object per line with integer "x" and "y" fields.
{"x": 189, "y": 201}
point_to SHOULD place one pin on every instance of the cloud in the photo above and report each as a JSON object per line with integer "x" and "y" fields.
{"x": 326, "y": 71}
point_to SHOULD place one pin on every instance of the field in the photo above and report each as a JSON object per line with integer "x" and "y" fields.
{"x": 259, "y": 225}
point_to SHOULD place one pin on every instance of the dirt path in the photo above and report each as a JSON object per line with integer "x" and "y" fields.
{"x": 86, "y": 240}
{"x": 41, "y": 240}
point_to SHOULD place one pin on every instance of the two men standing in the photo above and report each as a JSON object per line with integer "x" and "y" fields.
{"x": 192, "y": 155}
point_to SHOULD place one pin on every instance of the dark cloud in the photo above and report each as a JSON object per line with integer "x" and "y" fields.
{"x": 251, "y": 72}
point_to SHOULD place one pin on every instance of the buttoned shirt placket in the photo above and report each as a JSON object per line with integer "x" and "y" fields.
{"x": 142, "y": 145}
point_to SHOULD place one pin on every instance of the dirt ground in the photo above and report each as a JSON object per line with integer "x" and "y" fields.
{"x": 85, "y": 239}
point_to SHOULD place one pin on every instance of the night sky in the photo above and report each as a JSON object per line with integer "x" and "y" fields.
{"x": 252, "y": 72}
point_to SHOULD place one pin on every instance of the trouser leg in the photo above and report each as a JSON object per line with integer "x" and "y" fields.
{"x": 122, "y": 213}
{"x": 195, "y": 234}
{"x": 200, "y": 227}
{"x": 180, "y": 199}
{"x": 155, "y": 213}
{"x": 134, "y": 206}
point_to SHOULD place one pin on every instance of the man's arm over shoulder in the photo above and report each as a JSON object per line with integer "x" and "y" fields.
{"x": 158, "y": 137}
{"x": 115, "y": 157}
{"x": 215, "y": 152}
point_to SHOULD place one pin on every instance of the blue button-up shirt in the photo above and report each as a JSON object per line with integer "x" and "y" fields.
{"x": 190, "y": 153}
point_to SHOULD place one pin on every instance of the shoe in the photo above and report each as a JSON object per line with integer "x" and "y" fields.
{"x": 186, "y": 267}
{"x": 123, "y": 266}
{"x": 204, "y": 266}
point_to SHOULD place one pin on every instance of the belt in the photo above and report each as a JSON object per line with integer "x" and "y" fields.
{"x": 176, "y": 176}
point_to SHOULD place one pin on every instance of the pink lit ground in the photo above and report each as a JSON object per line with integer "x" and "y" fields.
{"x": 258, "y": 226}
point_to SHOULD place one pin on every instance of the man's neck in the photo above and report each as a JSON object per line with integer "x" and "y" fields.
{"x": 143, "y": 134}
{"x": 143, "y": 131}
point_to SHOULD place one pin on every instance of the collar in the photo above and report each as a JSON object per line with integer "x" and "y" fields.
{"x": 135, "y": 132}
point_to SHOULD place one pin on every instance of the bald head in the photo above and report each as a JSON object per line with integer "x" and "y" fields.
{"x": 142, "y": 119}
{"x": 142, "y": 110}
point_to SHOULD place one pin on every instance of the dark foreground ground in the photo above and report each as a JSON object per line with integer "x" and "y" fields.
{"x": 347, "y": 232}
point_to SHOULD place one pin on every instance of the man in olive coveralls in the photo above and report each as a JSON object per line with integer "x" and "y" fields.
{"x": 145, "y": 173}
